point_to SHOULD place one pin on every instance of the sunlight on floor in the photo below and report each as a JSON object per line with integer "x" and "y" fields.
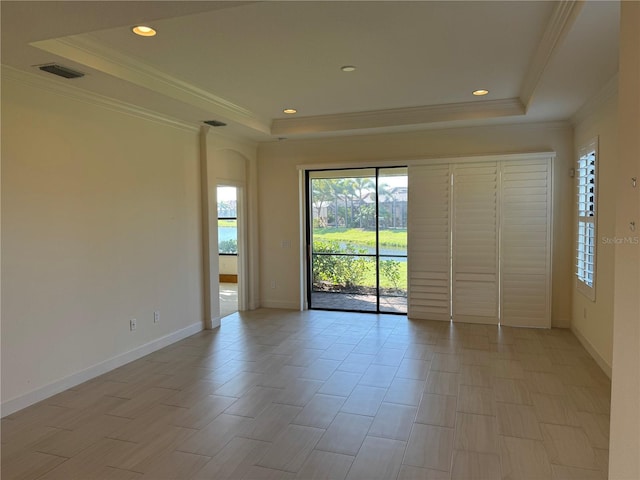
{"x": 228, "y": 299}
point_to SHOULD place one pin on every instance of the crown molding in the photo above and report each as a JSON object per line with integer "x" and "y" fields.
{"x": 559, "y": 25}
{"x": 398, "y": 116}
{"x": 87, "y": 51}
{"x": 609, "y": 90}
{"x": 91, "y": 98}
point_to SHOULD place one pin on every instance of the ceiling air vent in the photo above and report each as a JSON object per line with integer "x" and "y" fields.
{"x": 60, "y": 71}
{"x": 215, "y": 123}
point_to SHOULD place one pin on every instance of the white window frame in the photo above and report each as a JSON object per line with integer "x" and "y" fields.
{"x": 587, "y": 218}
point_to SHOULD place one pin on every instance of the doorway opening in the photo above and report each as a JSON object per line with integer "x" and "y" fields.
{"x": 357, "y": 239}
{"x": 227, "y": 200}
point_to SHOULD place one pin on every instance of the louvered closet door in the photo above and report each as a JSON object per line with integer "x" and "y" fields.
{"x": 475, "y": 243}
{"x": 428, "y": 242}
{"x": 526, "y": 243}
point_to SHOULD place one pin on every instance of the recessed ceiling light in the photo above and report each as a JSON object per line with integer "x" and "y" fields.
{"x": 481, "y": 92}
{"x": 144, "y": 31}
{"x": 290, "y": 111}
{"x": 348, "y": 68}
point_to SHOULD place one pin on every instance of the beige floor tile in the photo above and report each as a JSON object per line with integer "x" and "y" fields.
{"x": 68, "y": 443}
{"x": 588, "y": 399}
{"x": 234, "y": 460}
{"x": 477, "y": 375}
{"x": 507, "y": 369}
{"x": 340, "y": 383}
{"x": 320, "y": 411}
{"x": 509, "y": 390}
{"x": 379, "y": 458}
{"x": 393, "y": 421}
{"x": 364, "y": 400}
{"x": 262, "y": 473}
{"x": 517, "y": 421}
{"x": 325, "y": 466}
{"x": 238, "y": 385}
{"x": 416, "y": 473}
{"x": 524, "y": 459}
{"x": 320, "y": 369}
{"x": 568, "y": 446}
{"x": 555, "y": 409}
{"x": 212, "y": 438}
{"x": 112, "y": 473}
{"x": 253, "y": 402}
{"x": 475, "y": 466}
{"x": 405, "y": 391}
{"x": 298, "y": 392}
{"x": 270, "y": 422}
{"x": 444, "y": 362}
{"x": 356, "y": 362}
{"x": 29, "y": 465}
{"x": 290, "y": 450}
{"x": 345, "y": 434}
{"x": 429, "y": 447}
{"x": 419, "y": 351}
{"x": 203, "y": 412}
{"x": 562, "y": 472}
{"x": 176, "y": 465}
{"x": 414, "y": 369}
{"x": 389, "y": 356}
{"x": 378, "y": 375}
{"x": 253, "y": 365}
{"x": 442, "y": 383}
{"x": 476, "y": 433}
{"x": 473, "y": 399}
{"x": 437, "y": 410}
{"x": 546, "y": 383}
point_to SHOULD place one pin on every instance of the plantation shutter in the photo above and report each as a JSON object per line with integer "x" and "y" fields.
{"x": 475, "y": 243}
{"x": 526, "y": 243}
{"x": 429, "y": 242}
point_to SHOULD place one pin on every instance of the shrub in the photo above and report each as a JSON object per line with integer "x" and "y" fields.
{"x": 390, "y": 269}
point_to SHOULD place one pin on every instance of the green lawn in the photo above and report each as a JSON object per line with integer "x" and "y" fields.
{"x": 388, "y": 238}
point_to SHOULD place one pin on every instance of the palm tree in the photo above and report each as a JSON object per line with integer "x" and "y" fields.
{"x": 364, "y": 186}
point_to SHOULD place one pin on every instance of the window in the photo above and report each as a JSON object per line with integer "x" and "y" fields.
{"x": 227, "y": 221}
{"x": 587, "y": 215}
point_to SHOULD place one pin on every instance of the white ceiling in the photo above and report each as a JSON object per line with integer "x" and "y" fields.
{"x": 243, "y": 62}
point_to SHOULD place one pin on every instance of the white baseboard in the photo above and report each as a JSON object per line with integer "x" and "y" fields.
{"x": 23, "y": 401}
{"x": 280, "y": 305}
{"x": 606, "y": 368}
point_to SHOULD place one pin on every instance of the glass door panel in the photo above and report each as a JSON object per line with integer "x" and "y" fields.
{"x": 358, "y": 240}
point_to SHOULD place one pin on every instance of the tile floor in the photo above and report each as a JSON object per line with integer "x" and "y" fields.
{"x": 309, "y": 395}
{"x": 228, "y": 298}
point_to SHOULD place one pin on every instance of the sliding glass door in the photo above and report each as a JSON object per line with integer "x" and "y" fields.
{"x": 357, "y": 239}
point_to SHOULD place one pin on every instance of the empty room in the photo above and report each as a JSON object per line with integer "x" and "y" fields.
{"x": 320, "y": 240}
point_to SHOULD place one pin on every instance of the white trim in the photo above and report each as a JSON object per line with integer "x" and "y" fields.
{"x": 602, "y": 363}
{"x": 92, "y": 53}
{"x": 398, "y": 116}
{"x": 85, "y": 96}
{"x": 23, "y": 401}
{"x": 559, "y": 25}
{"x": 428, "y": 161}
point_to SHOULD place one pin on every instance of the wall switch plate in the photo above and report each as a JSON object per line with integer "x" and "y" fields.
{"x": 156, "y": 317}
{"x": 133, "y": 324}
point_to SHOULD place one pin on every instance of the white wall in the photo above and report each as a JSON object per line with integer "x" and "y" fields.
{"x": 592, "y": 321}
{"x": 624, "y": 447}
{"x": 100, "y": 224}
{"x": 232, "y": 162}
{"x": 279, "y": 195}
{"x": 228, "y": 264}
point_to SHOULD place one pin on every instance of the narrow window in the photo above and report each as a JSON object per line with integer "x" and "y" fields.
{"x": 587, "y": 219}
{"x": 227, "y": 221}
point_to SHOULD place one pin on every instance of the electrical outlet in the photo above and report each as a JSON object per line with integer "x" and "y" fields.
{"x": 156, "y": 317}
{"x": 273, "y": 284}
{"x": 133, "y": 324}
